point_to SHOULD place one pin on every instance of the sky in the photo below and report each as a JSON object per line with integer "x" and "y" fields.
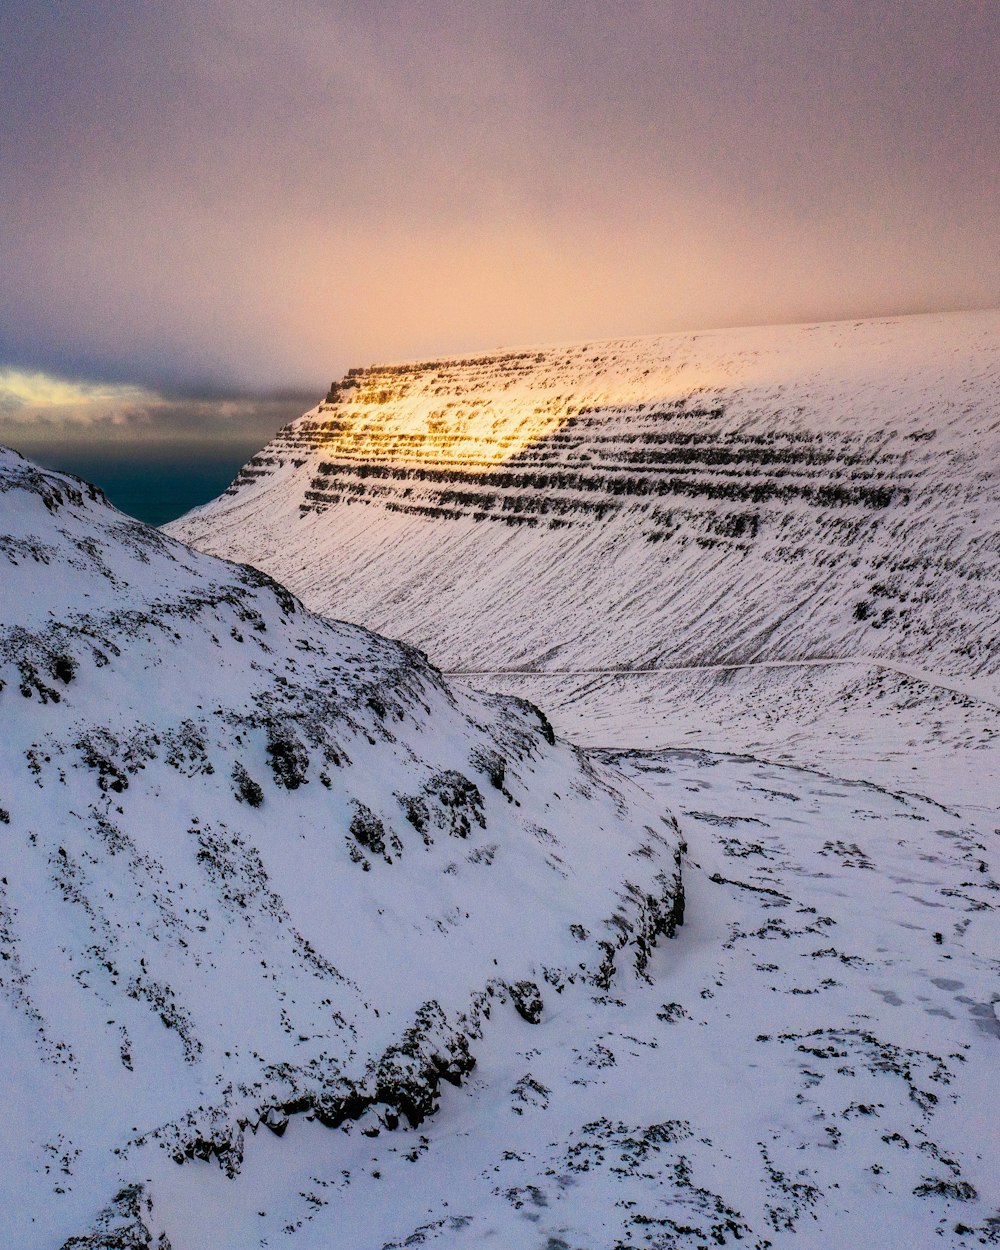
{"x": 210, "y": 209}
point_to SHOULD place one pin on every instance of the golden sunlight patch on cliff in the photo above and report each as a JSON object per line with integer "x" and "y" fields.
{"x": 425, "y": 431}
{"x": 443, "y": 414}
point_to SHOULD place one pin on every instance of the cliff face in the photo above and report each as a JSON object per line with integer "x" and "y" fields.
{"x": 751, "y": 497}
{"x": 257, "y": 865}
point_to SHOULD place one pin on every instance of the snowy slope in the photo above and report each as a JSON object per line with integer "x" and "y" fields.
{"x": 256, "y": 866}
{"x": 715, "y": 507}
{"x": 812, "y": 1064}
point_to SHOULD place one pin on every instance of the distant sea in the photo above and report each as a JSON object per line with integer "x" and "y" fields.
{"x": 155, "y": 488}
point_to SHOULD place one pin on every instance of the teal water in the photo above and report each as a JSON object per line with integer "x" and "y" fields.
{"x": 156, "y": 489}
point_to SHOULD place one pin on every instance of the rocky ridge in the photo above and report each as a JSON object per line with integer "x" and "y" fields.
{"x": 256, "y": 866}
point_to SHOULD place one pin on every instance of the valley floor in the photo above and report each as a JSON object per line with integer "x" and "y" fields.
{"x": 867, "y": 719}
{"x": 812, "y": 1062}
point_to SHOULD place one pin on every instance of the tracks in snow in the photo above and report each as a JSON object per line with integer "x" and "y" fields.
{"x": 979, "y": 691}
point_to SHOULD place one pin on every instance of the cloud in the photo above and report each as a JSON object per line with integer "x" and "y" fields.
{"x": 28, "y": 396}
{"x": 40, "y": 413}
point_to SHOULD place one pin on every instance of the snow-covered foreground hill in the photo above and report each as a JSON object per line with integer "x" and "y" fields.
{"x": 703, "y": 511}
{"x": 812, "y": 1063}
{"x": 259, "y": 873}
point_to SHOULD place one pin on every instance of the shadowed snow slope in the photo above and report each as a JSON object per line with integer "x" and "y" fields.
{"x": 254, "y": 863}
{"x": 751, "y": 497}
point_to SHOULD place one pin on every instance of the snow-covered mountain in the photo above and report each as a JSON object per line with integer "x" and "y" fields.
{"x": 759, "y": 526}
{"x": 257, "y": 867}
{"x": 265, "y": 871}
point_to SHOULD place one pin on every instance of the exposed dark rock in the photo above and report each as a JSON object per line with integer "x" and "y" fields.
{"x": 527, "y": 999}
{"x": 289, "y": 758}
{"x": 247, "y": 790}
{"x": 122, "y": 1225}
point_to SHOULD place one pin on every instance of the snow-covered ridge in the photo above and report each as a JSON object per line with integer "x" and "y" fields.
{"x": 254, "y": 863}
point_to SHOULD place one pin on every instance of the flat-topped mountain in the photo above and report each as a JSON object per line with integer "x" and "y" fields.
{"x": 305, "y": 943}
{"x": 257, "y": 865}
{"x": 752, "y": 498}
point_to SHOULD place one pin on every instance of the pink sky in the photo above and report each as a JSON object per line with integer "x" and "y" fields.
{"x": 221, "y": 194}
